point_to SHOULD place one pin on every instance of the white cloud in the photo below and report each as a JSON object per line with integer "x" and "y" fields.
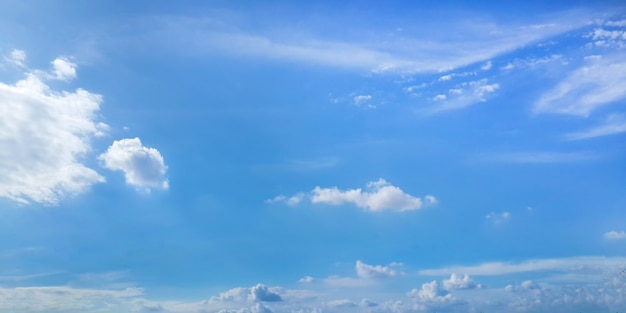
{"x": 367, "y": 271}
{"x": 466, "y": 94}
{"x": 306, "y": 279}
{"x": 498, "y": 218}
{"x": 621, "y": 23}
{"x": 597, "y": 84}
{"x": 539, "y": 157}
{"x": 615, "y": 235}
{"x": 142, "y": 166}
{"x": 17, "y": 58}
{"x": 44, "y": 135}
{"x": 260, "y": 292}
{"x": 487, "y": 66}
{"x": 379, "y": 195}
{"x": 502, "y": 268}
{"x": 291, "y": 201}
{"x": 361, "y": 99}
{"x": 614, "y": 124}
{"x": 459, "y": 282}
{"x": 430, "y": 292}
{"x": 64, "y": 69}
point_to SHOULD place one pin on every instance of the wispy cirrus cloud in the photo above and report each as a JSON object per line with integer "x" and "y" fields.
{"x": 614, "y": 124}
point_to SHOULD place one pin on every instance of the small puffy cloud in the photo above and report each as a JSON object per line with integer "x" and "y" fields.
{"x": 378, "y": 196}
{"x": 16, "y": 57}
{"x": 260, "y": 292}
{"x": 64, "y": 69}
{"x": 142, "y": 166}
{"x": 615, "y": 235}
{"x": 487, "y": 66}
{"x": 45, "y": 135}
{"x": 430, "y": 292}
{"x": 460, "y": 282}
{"x": 374, "y": 271}
{"x": 445, "y": 78}
{"x": 498, "y": 218}
{"x": 306, "y": 279}
{"x": 440, "y": 97}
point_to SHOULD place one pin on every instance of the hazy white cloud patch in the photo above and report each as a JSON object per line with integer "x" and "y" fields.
{"x": 306, "y": 279}
{"x": 615, "y": 235}
{"x": 378, "y": 196}
{"x": 460, "y": 282}
{"x": 487, "y": 66}
{"x": 538, "y": 157}
{"x": 614, "y": 124}
{"x": 572, "y": 264}
{"x": 16, "y": 58}
{"x": 291, "y": 201}
{"x": 361, "y": 99}
{"x": 598, "y": 83}
{"x": 464, "y": 95}
{"x": 143, "y": 167}
{"x": 44, "y": 136}
{"x": 367, "y": 271}
{"x": 498, "y": 218}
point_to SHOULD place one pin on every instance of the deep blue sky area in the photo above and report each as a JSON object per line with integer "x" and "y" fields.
{"x": 230, "y": 156}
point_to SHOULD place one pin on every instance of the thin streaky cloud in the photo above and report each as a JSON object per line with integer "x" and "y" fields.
{"x": 613, "y": 125}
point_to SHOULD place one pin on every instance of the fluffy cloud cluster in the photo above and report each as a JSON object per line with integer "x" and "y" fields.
{"x": 464, "y": 95}
{"x": 615, "y": 235}
{"x": 460, "y": 282}
{"x": 142, "y": 166}
{"x": 46, "y": 137}
{"x": 258, "y": 292}
{"x": 379, "y": 195}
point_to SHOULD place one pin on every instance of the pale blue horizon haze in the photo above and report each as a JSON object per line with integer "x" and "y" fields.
{"x": 235, "y": 156}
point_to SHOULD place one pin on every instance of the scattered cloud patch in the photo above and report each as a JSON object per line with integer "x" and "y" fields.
{"x": 374, "y": 271}
{"x": 291, "y": 201}
{"x": 502, "y": 268}
{"x": 466, "y": 94}
{"x": 539, "y": 157}
{"x": 16, "y": 58}
{"x": 596, "y": 84}
{"x": 45, "y": 135}
{"x": 143, "y": 167}
{"x": 487, "y": 66}
{"x": 614, "y": 124}
{"x": 361, "y": 99}
{"x": 498, "y": 218}
{"x": 306, "y": 279}
{"x": 431, "y": 292}
{"x": 378, "y": 196}
{"x": 615, "y": 235}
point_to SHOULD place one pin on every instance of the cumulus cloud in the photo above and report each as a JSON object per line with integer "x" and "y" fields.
{"x": 64, "y": 69}
{"x": 615, "y": 235}
{"x": 460, "y": 282}
{"x": 596, "y": 84}
{"x": 259, "y": 292}
{"x": 378, "y": 196}
{"x": 430, "y": 292}
{"x": 45, "y": 135}
{"x": 306, "y": 279}
{"x": 374, "y": 271}
{"x": 142, "y": 166}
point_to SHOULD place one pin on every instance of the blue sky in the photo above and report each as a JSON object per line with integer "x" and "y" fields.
{"x": 312, "y": 157}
